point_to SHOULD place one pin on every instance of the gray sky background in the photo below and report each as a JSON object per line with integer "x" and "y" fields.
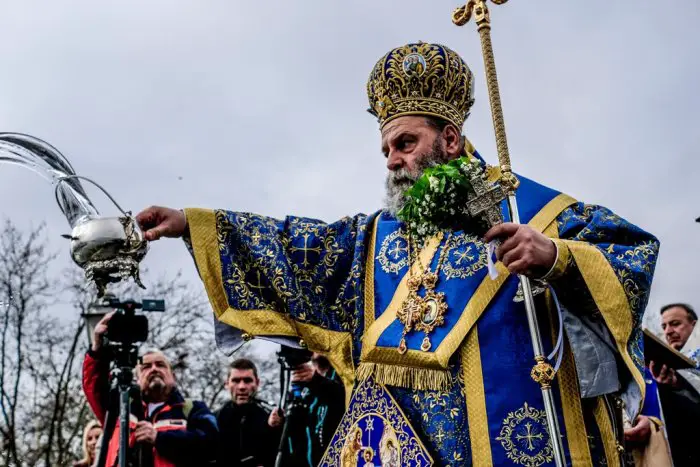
{"x": 261, "y": 106}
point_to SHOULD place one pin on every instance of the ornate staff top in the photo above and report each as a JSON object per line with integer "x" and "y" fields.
{"x": 460, "y": 17}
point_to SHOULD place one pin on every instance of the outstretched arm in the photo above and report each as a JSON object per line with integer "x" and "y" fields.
{"x": 277, "y": 279}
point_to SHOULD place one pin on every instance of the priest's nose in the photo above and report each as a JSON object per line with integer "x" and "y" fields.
{"x": 395, "y": 161}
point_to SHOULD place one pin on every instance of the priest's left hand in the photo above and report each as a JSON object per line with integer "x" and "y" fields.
{"x": 523, "y": 249}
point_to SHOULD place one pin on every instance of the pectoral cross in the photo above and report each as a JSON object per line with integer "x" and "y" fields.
{"x": 487, "y": 201}
{"x": 529, "y": 437}
{"x": 306, "y": 248}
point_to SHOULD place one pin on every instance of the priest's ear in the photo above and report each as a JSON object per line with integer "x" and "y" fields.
{"x": 452, "y": 140}
{"x": 454, "y": 144}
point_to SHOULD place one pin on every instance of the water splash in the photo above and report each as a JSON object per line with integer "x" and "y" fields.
{"x": 109, "y": 249}
{"x": 47, "y": 161}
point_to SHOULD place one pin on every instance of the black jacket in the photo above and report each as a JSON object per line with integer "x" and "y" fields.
{"x": 245, "y": 434}
{"x": 313, "y": 426}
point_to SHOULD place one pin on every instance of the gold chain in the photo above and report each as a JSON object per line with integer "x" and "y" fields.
{"x": 413, "y": 311}
{"x": 415, "y": 256}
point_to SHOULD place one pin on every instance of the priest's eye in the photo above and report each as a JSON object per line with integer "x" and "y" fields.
{"x": 405, "y": 144}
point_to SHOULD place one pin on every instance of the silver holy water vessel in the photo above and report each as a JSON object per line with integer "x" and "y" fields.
{"x": 108, "y": 249}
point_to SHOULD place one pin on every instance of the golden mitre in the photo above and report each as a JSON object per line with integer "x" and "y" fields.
{"x": 421, "y": 79}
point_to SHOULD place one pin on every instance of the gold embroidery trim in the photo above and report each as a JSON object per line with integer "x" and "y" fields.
{"x": 605, "y": 428}
{"x": 335, "y": 345}
{"x": 475, "y": 307}
{"x": 611, "y": 300}
{"x": 475, "y": 396}
{"x": 202, "y": 225}
{"x": 572, "y": 410}
{"x": 562, "y": 261}
{"x": 577, "y": 435}
{"x": 422, "y": 379}
{"x": 369, "y": 276}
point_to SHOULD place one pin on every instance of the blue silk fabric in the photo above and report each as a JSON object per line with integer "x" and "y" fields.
{"x": 514, "y": 404}
{"x": 652, "y": 403}
{"x": 313, "y": 272}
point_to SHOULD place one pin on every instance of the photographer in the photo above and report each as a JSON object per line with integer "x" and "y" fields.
{"x": 165, "y": 429}
{"x": 246, "y": 438}
{"x": 319, "y": 396}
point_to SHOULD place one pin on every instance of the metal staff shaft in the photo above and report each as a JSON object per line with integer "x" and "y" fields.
{"x": 542, "y": 372}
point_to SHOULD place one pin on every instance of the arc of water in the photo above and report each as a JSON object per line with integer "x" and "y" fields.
{"x": 48, "y": 162}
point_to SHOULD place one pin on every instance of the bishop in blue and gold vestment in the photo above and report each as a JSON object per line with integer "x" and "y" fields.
{"x": 457, "y": 390}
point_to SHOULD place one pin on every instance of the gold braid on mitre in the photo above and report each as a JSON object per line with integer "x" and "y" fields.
{"x": 421, "y": 79}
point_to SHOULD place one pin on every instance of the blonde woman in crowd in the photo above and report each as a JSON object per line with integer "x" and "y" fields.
{"x": 91, "y": 435}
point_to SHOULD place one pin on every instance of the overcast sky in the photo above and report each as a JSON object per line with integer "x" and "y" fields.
{"x": 261, "y": 106}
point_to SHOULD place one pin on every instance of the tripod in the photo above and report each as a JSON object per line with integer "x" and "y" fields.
{"x": 122, "y": 390}
{"x": 125, "y": 330}
{"x": 292, "y": 401}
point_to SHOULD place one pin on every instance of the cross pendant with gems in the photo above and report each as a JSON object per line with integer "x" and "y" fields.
{"x": 486, "y": 201}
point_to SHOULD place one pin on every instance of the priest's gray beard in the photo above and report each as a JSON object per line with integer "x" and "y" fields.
{"x": 398, "y": 181}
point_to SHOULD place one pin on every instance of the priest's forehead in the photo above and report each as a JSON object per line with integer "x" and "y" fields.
{"x": 412, "y": 124}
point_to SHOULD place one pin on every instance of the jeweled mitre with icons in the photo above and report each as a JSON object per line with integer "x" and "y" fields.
{"x": 421, "y": 79}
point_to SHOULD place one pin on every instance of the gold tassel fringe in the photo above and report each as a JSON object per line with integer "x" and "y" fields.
{"x": 424, "y": 379}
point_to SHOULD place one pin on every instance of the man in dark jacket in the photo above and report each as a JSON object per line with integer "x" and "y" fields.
{"x": 320, "y": 395}
{"x": 169, "y": 430}
{"x": 680, "y": 398}
{"x": 246, "y": 439}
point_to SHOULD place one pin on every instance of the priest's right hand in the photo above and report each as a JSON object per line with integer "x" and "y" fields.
{"x": 158, "y": 221}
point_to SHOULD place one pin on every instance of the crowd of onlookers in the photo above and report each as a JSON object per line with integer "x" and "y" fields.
{"x": 167, "y": 429}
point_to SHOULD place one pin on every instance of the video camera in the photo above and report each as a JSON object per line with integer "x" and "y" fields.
{"x": 127, "y": 327}
{"x": 291, "y": 358}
